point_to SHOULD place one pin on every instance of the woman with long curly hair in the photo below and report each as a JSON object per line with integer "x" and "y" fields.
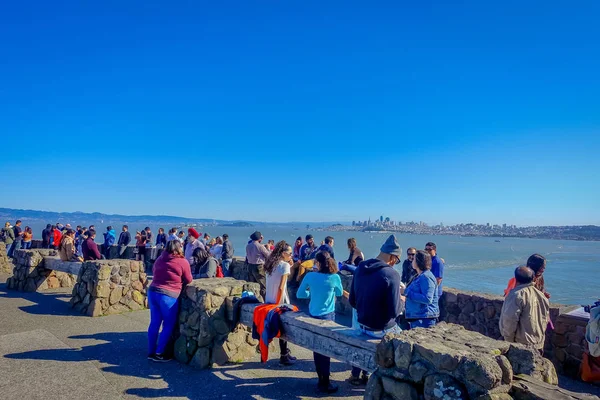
{"x": 277, "y": 269}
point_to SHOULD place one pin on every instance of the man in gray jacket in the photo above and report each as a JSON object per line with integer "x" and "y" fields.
{"x": 226, "y": 255}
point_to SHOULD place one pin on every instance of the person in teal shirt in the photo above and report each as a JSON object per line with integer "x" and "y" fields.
{"x": 321, "y": 288}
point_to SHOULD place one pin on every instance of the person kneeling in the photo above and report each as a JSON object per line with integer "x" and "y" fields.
{"x": 322, "y": 287}
{"x": 421, "y": 295}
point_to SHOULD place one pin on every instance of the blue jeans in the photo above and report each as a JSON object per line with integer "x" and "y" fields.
{"x": 26, "y": 245}
{"x": 16, "y": 245}
{"x": 377, "y": 335}
{"x": 323, "y": 363}
{"x": 422, "y": 323}
{"x": 225, "y": 265}
{"x": 163, "y": 310}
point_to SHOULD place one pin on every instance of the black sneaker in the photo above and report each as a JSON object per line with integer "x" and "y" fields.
{"x": 151, "y": 357}
{"x": 160, "y": 358}
{"x": 355, "y": 380}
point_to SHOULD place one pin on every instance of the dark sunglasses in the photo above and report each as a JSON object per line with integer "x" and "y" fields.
{"x": 412, "y": 254}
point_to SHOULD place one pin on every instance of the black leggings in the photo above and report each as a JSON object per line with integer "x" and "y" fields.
{"x": 283, "y": 348}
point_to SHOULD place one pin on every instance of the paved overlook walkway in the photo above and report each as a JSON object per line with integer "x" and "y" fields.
{"x": 47, "y": 351}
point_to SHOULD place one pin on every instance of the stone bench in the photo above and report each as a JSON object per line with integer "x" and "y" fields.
{"x": 325, "y": 337}
{"x": 41, "y": 269}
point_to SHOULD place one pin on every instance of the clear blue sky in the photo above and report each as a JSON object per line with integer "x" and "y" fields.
{"x": 303, "y": 110}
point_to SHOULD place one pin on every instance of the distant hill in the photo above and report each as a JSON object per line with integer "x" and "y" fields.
{"x": 11, "y": 214}
{"x": 79, "y": 217}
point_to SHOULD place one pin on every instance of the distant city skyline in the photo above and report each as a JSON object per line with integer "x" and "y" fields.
{"x": 381, "y": 221}
{"x": 314, "y": 111}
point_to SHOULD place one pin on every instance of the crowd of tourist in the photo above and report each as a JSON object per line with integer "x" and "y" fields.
{"x": 385, "y": 297}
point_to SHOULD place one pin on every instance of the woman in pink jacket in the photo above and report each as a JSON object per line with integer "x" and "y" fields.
{"x": 171, "y": 272}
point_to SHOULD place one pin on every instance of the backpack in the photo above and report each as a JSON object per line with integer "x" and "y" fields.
{"x": 3, "y": 235}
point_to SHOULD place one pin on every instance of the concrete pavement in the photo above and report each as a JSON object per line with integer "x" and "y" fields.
{"x": 48, "y": 351}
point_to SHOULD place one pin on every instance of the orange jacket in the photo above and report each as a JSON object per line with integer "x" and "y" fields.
{"x": 259, "y": 323}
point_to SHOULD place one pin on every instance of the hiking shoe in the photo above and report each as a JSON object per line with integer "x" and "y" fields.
{"x": 151, "y": 357}
{"x": 325, "y": 386}
{"x": 287, "y": 360}
{"x": 355, "y": 380}
{"x": 160, "y": 358}
{"x": 364, "y": 378}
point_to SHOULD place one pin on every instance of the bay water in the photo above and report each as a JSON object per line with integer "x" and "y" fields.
{"x": 478, "y": 264}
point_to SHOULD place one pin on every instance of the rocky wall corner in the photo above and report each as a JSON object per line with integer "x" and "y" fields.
{"x": 449, "y": 362}
{"x": 30, "y": 273}
{"x": 107, "y": 287}
{"x": 207, "y": 333}
{"x": 6, "y": 265}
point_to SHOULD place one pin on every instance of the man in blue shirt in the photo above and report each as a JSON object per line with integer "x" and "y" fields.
{"x": 437, "y": 265}
{"x": 307, "y": 249}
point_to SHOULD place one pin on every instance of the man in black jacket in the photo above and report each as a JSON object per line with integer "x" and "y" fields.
{"x": 375, "y": 294}
{"x": 408, "y": 272}
{"x": 226, "y": 255}
{"x": 46, "y": 236}
{"x": 124, "y": 240}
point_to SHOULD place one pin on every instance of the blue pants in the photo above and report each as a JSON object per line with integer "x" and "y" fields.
{"x": 163, "y": 310}
{"x": 422, "y": 323}
{"x": 225, "y": 265}
{"x": 323, "y": 363}
{"x": 16, "y": 245}
{"x": 26, "y": 245}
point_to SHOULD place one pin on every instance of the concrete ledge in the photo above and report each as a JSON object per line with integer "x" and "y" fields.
{"x": 56, "y": 264}
{"x": 39, "y": 270}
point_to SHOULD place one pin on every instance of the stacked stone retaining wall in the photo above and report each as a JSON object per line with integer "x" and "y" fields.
{"x": 30, "y": 273}
{"x": 207, "y": 334}
{"x": 106, "y": 287}
{"x": 6, "y": 265}
{"x": 449, "y": 362}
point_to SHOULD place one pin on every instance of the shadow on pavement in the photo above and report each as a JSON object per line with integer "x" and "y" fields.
{"x": 49, "y": 303}
{"x": 124, "y": 354}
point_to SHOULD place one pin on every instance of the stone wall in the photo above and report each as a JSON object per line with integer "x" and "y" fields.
{"x": 6, "y": 265}
{"x": 238, "y": 269}
{"x": 30, "y": 273}
{"x": 108, "y": 287}
{"x": 450, "y": 362}
{"x": 207, "y": 334}
{"x": 569, "y": 344}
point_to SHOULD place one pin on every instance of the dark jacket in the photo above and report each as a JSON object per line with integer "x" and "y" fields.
{"x": 90, "y": 250}
{"x": 375, "y": 294}
{"x": 408, "y": 272}
{"x": 161, "y": 239}
{"x": 228, "y": 250}
{"x": 422, "y": 297}
{"x": 323, "y": 247}
{"x": 124, "y": 238}
{"x": 46, "y": 236}
{"x": 306, "y": 251}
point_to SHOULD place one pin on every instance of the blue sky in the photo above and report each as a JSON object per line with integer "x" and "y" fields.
{"x": 289, "y": 110}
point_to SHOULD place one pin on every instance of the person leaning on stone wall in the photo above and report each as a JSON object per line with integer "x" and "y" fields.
{"x": 171, "y": 271}
{"x": 8, "y": 235}
{"x": 256, "y": 255}
{"x": 375, "y": 295}
{"x": 66, "y": 248}
{"x": 525, "y": 311}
